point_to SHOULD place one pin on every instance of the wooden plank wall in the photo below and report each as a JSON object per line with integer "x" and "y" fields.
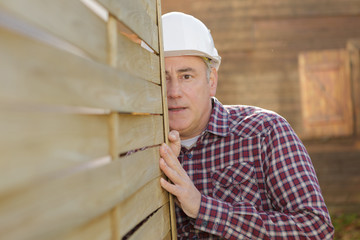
{"x": 77, "y": 97}
{"x": 259, "y": 42}
{"x": 337, "y": 167}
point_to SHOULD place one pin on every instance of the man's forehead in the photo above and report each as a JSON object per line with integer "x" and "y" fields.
{"x": 183, "y": 63}
{"x": 182, "y": 70}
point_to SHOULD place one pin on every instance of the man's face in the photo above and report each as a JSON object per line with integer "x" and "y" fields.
{"x": 189, "y": 94}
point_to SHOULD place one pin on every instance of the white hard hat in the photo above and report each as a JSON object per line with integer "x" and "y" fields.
{"x": 184, "y": 34}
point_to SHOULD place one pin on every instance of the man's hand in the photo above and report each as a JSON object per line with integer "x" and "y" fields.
{"x": 181, "y": 185}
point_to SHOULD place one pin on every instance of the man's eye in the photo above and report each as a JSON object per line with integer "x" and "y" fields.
{"x": 187, "y": 76}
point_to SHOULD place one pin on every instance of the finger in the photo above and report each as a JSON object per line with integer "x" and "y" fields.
{"x": 172, "y": 161}
{"x": 174, "y": 136}
{"x": 171, "y": 188}
{"x": 169, "y": 156}
{"x": 172, "y": 174}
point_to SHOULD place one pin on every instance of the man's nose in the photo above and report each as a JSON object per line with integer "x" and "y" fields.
{"x": 173, "y": 89}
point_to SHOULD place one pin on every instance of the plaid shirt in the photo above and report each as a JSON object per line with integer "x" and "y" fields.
{"x": 256, "y": 180}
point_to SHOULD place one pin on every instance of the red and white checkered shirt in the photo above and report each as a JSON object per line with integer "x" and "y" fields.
{"x": 256, "y": 180}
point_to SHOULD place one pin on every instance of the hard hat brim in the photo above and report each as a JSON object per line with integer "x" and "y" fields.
{"x": 215, "y": 61}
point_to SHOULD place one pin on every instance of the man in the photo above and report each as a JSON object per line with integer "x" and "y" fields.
{"x": 241, "y": 173}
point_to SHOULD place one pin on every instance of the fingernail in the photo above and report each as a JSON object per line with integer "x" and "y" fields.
{"x": 164, "y": 147}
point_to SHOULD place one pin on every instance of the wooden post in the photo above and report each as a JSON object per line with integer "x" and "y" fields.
{"x": 353, "y": 47}
{"x": 113, "y": 117}
{"x": 165, "y": 112}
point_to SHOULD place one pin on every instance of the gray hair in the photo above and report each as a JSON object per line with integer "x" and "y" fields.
{"x": 209, "y": 66}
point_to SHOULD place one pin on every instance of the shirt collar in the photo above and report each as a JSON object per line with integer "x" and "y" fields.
{"x": 218, "y": 123}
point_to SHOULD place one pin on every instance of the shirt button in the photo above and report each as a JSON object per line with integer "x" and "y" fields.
{"x": 189, "y": 155}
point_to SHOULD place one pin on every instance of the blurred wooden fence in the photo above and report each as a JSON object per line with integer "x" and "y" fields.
{"x": 77, "y": 95}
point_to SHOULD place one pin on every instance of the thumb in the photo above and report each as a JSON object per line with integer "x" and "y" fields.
{"x": 175, "y": 142}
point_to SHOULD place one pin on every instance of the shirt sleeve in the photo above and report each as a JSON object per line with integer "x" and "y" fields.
{"x": 298, "y": 208}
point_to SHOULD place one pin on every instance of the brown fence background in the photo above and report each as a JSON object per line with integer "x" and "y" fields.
{"x": 79, "y": 94}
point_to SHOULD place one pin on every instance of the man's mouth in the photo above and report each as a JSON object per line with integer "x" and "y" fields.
{"x": 176, "y": 109}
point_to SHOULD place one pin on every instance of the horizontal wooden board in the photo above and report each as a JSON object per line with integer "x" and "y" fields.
{"x": 62, "y": 204}
{"x": 68, "y": 20}
{"x": 138, "y": 169}
{"x": 97, "y": 229}
{"x": 35, "y": 145}
{"x": 138, "y": 206}
{"x": 137, "y": 60}
{"x": 282, "y": 8}
{"x": 60, "y": 78}
{"x": 137, "y": 131}
{"x": 156, "y": 227}
{"x": 278, "y": 47}
{"x": 139, "y": 16}
{"x": 305, "y": 28}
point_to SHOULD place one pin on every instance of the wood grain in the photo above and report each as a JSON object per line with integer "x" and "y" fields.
{"x": 138, "y": 131}
{"x": 138, "y": 206}
{"x": 138, "y": 61}
{"x": 83, "y": 196}
{"x": 139, "y": 16}
{"x": 60, "y": 78}
{"x": 156, "y": 227}
{"x": 68, "y": 20}
{"x": 37, "y": 145}
{"x": 96, "y": 229}
{"x": 326, "y": 94}
{"x": 75, "y": 94}
{"x": 279, "y": 8}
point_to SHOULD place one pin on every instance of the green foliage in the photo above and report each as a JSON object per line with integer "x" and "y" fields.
{"x": 347, "y": 226}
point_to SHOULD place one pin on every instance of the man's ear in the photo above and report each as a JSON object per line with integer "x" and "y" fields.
{"x": 213, "y": 80}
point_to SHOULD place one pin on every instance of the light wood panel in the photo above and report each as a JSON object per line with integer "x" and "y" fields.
{"x": 58, "y": 77}
{"x": 140, "y": 205}
{"x": 69, "y": 20}
{"x": 37, "y": 145}
{"x": 139, "y": 16}
{"x": 138, "y": 61}
{"x": 156, "y": 227}
{"x": 97, "y": 229}
{"x": 79, "y": 104}
{"x": 83, "y": 196}
{"x": 137, "y": 131}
